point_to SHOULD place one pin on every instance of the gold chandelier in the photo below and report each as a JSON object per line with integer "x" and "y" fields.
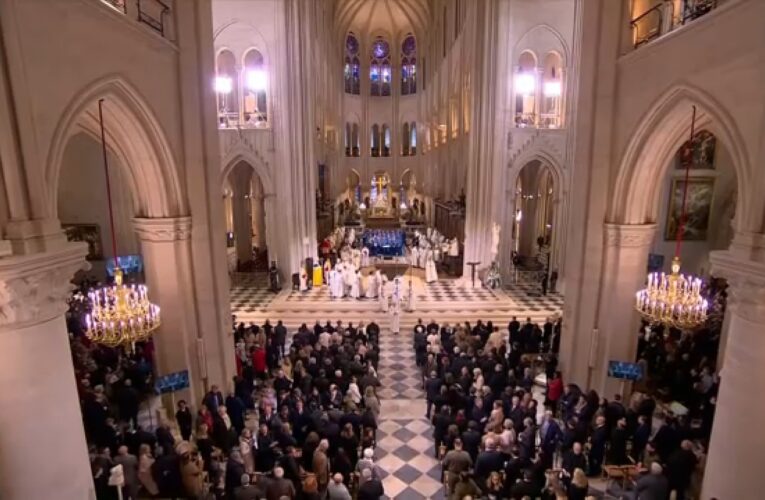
{"x": 120, "y": 315}
{"x": 675, "y": 300}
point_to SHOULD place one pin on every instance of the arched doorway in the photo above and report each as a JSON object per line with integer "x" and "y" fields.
{"x": 533, "y": 215}
{"x": 645, "y": 174}
{"x": 246, "y": 216}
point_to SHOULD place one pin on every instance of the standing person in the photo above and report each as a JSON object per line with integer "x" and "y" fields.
{"x": 321, "y": 465}
{"x": 129, "y": 465}
{"x": 652, "y": 486}
{"x": 545, "y": 277}
{"x": 145, "y": 461}
{"x": 280, "y": 337}
{"x": 554, "y": 391}
{"x": 184, "y": 419}
{"x": 213, "y": 399}
{"x": 680, "y": 467}
{"x": 598, "y": 442}
{"x": 395, "y": 314}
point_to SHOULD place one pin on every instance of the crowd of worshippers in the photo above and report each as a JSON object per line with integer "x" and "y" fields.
{"x": 300, "y": 423}
{"x": 495, "y": 442}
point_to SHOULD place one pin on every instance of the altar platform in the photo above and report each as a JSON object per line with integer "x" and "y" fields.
{"x": 382, "y": 222}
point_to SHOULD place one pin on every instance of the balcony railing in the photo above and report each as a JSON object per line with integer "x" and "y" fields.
{"x": 661, "y": 19}
{"x": 152, "y": 13}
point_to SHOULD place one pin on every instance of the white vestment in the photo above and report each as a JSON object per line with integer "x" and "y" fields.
{"x": 454, "y": 248}
{"x": 421, "y": 257}
{"x": 355, "y": 285}
{"x": 382, "y": 296}
{"x": 337, "y": 283}
{"x": 431, "y": 275}
{"x": 415, "y": 256}
{"x": 371, "y": 287}
{"x": 395, "y": 319}
{"x": 330, "y": 277}
{"x": 410, "y": 299}
{"x": 364, "y": 257}
{"x": 356, "y": 256}
{"x": 303, "y": 281}
{"x": 327, "y": 270}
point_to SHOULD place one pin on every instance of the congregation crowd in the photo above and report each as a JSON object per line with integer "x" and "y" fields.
{"x": 301, "y": 418}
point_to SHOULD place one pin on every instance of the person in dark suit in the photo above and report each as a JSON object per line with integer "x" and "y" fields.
{"x": 371, "y": 488}
{"x": 598, "y": 442}
{"x": 640, "y": 437}
{"x": 213, "y": 399}
{"x": 551, "y": 435}
{"x": 184, "y": 419}
{"x": 432, "y": 390}
{"x": 471, "y": 440}
{"x": 280, "y": 337}
{"x": 525, "y": 488}
{"x": 574, "y": 459}
{"x": 652, "y": 486}
{"x": 488, "y": 461}
{"x": 617, "y": 452}
{"x": 680, "y": 467}
{"x": 514, "y": 327}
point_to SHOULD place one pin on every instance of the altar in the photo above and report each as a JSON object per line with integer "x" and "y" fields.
{"x": 381, "y": 202}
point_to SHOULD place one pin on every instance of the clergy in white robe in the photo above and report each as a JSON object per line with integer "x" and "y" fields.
{"x": 338, "y": 286}
{"x": 454, "y": 248}
{"x": 381, "y": 295}
{"x": 303, "y": 280}
{"x": 431, "y": 275}
{"x": 327, "y": 270}
{"x": 414, "y": 257}
{"x": 356, "y": 257}
{"x": 421, "y": 257}
{"x": 410, "y": 299}
{"x": 331, "y": 277}
{"x": 395, "y": 317}
{"x": 364, "y": 257}
{"x": 371, "y": 287}
{"x": 355, "y": 292}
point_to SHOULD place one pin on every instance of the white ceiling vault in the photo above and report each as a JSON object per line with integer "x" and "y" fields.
{"x": 372, "y": 17}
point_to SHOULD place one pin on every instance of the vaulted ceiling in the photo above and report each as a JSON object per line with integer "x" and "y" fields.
{"x": 394, "y": 17}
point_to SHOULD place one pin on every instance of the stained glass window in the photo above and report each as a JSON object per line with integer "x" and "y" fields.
{"x": 380, "y": 72}
{"x": 351, "y": 69}
{"x": 409, "y": 65}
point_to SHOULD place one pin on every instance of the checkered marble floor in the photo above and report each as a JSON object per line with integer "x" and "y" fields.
{"x": 405, "y": 449}
{"x": 249, "y": 293}
{"x": 448, "y": 290}
{"x": 529, "y": 299}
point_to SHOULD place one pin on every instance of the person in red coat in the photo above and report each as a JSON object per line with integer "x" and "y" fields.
{"x": 554, "y": 391}
{"x": 259, "y": 361}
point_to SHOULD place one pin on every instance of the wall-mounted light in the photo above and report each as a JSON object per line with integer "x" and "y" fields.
{"x": 552, "y": 89}
{"x": 257, "y": 80}
{"x": 525, "y": 83}
{"x": 223, "y": 85}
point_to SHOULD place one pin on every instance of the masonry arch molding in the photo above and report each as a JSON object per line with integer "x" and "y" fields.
{"x": 134, "y": 136}
{"x": 657, "y": 137}
{"x": 241, "y": 155}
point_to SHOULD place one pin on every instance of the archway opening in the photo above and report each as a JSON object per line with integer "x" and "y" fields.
{"x": 244, "y": 199}
{"x": 533, "y": 216}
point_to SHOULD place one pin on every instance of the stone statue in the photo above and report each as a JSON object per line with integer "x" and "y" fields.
{"x": 495, "y": 229}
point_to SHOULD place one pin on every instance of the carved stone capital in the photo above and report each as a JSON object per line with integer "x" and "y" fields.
{"x": 746, "y": 280}
{"x": 34, "y": 288}
{"x": 628, "y": 235}
{"x": 163, "y": 229}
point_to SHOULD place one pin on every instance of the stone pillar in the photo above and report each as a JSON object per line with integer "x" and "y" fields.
{"x": 241, "y": 210}
{"x": 40, "y": 405}
{"x": 259, "y": 221}
{"x": 528, "y": 226}
{"x": 485, "y": 151}
{"x": 737, "y": 434}
{"x": 166, "y": 245}
{"x": 623, "y": 273}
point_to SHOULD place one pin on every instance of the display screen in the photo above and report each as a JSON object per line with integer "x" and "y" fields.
{"x": 625, "y": 370}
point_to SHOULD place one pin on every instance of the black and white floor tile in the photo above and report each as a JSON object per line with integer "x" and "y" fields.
{"x": 529, "y": 300}
{"x": 405, "y": 449}
{"x": 250, "y": 293}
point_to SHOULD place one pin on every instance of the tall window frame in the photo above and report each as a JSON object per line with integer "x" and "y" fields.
{"x": 352, "y": 68}
{"x": 409, "y": 65}
{"x": 380, "y": 73}
{"x": 254, "y": 88}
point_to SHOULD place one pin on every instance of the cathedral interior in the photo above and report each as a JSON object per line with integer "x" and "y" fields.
{"x": 566, "y": 190}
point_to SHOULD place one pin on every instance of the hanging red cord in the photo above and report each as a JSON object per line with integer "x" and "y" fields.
{"x": 108, "y": 184}
{"x": 681, "y": 222}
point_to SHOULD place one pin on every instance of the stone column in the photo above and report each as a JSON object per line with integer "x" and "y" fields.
{"x": 483, "y": 186}
{"x": 737, "y": 434}
{"x": 241, "y": 210}
{"x": 623, "y": 273}
{"x": 40, "y": 405}
{"x": 181, "y": 344}
{"x": 259, "y": 220}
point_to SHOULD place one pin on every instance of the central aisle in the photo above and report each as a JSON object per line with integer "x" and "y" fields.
{"x": 405, "y": 448}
